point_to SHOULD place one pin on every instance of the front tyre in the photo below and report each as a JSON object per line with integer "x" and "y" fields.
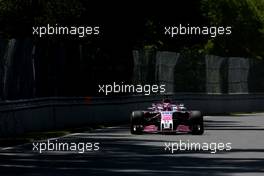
{"x": 136, "y": 125}
{"x": 197, "y": 128}
{"x": 197, "y": 124}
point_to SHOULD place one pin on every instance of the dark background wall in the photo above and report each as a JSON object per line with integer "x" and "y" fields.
{"x": 31, "y": 66}
{"x": 47, "y": 69}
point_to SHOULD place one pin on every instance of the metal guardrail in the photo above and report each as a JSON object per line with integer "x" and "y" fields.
{"x": 11, "y": 105}
{"x": 19, "y": 116}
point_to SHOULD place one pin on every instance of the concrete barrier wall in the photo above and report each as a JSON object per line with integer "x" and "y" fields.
{"x": 17, "y": 117}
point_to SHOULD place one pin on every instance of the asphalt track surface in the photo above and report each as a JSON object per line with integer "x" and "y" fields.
{"x": 121, "y": 153}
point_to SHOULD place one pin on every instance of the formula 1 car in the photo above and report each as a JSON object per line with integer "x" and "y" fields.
{"x": 167, "y": 117}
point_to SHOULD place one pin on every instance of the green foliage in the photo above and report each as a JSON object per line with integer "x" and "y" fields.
{"x": 247, "y": 21}
{"x": 17, "y": 14}
{"x": 246, "y": 18}
{"x": 190, "y": 72}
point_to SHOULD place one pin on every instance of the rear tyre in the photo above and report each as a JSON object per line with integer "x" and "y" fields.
{"x": 136, "y": 125}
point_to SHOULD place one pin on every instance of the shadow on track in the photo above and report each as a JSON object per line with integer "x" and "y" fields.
{"x": 123, "y": 155}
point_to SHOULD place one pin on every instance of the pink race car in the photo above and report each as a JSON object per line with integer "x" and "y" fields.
{"x": 167, "y": 117}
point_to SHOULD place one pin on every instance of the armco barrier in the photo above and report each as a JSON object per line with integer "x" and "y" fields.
{"x": 20, "y": 116}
